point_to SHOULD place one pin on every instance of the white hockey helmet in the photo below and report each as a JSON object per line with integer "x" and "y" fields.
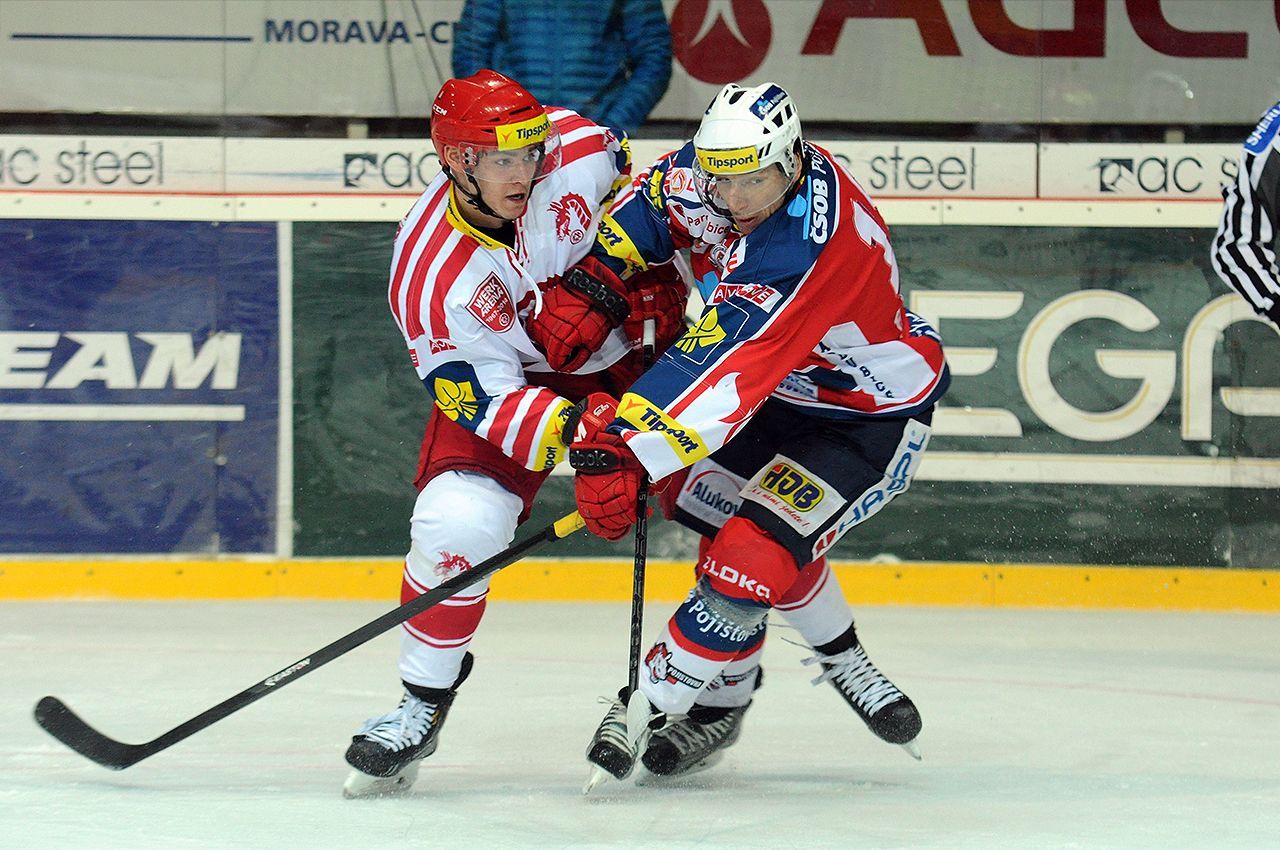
{"x": 746, "y": 130}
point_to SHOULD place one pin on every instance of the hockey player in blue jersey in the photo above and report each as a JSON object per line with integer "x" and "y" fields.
{"x": 796, "y": 408}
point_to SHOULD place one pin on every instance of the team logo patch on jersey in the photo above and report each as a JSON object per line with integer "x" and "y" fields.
{"x": 727, "y": 255}
{"x": 677, "y": 182}
{"x": 456, "y": 399}
{"x": 573, "y": 217}
{"x": 794, "y": 487}
{"x": 711, "y": 493}
{"x": 795, "y": 494}
{"x": 491, "y": 304}
{"x": 662, "y": 670}
{"x": 706, "y": 332}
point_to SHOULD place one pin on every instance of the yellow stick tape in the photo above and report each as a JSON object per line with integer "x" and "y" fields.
{"x": 590, "y": 580}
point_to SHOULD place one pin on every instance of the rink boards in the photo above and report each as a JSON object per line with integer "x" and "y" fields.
{"x": 233, "y": 390}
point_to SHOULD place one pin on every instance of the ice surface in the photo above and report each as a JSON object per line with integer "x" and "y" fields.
{"x": 1044, "y": 729}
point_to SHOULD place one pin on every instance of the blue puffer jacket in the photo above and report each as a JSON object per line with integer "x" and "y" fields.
{"x": 607, "y": 59}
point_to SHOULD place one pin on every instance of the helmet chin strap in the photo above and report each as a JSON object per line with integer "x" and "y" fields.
{"x": 474, "y": 198}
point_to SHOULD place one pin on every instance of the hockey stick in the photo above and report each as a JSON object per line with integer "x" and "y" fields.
{"x": 642, "y": 546}
{"x": 637, "y": 703}
{"x": 61, "y": 722}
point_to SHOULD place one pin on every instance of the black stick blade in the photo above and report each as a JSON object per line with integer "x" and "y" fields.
{"x": 61, "y": 722}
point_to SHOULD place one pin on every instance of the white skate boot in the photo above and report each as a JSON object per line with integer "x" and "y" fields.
{"x": 387, "y": 750}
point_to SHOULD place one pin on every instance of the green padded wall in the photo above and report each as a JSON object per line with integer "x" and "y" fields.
{"x": 359, "y": 409}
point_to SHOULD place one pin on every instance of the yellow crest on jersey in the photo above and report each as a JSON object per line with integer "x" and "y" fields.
{"x": 706, "y": 332}
{"x": 456, "y": 399}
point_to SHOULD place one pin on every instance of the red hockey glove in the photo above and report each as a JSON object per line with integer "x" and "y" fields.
{"x": 577, "y": 315}
{"x": 607, "y": 484}
{"x": 589, "y": 417}
{"x": 659, "y": 294}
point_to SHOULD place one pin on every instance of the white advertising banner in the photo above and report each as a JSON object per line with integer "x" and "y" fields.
{"x": 904, "y": 169}
{"x": 1174, "y": 62}
{"x": 246, "y": 166}
{"x": 1126, "y": 171}
{"x": 941, "y": 169}
{"x": 185, "y": 165}
{"x": 330, "y": 166}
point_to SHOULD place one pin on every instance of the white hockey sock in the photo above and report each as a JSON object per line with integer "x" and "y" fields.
{"x": 459, "y": 520}
{"x": 736, "y": 682}
{"x": 815, "y": 605}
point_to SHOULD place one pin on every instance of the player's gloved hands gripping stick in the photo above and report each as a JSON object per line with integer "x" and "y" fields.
{"x": 608, "y": 474}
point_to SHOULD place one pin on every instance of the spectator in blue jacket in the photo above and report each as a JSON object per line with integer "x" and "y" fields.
{"x": 609, "y": 60}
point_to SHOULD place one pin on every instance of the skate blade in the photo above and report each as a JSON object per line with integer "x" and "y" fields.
{"x": 597, "y": 778}
{"x": 362, "y": 786}
{"x": 912, "y": 749}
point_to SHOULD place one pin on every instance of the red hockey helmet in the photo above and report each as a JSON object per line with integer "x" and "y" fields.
{"x": 489, "y": 112}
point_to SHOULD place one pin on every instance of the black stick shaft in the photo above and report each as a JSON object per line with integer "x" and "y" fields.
{"x": 637, "y": 585}
{"x": 642, "y": 545}
{"x": 62, "y": 723}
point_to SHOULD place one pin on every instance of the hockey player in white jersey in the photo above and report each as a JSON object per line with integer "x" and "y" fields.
{"x": 797, "y": 408}
{"x": 516, "y": 205}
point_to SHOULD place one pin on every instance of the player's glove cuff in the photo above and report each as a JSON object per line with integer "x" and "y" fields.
{"x": 597, "y": 283}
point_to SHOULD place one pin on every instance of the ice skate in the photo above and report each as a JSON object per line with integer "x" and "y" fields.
{"x": 619, "y": 738}
{"x": 386, "y": 752}
{"x": 887, "y": 711}
{"x": 695, "y": 742}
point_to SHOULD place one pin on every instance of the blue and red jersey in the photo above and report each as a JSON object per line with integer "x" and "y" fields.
{"x": 805, "y": 309}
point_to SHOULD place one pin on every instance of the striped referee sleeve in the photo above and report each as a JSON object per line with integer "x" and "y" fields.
{"x": 1244, "y": 250}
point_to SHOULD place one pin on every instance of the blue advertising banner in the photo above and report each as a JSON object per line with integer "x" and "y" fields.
{"x": 139, "y": 384}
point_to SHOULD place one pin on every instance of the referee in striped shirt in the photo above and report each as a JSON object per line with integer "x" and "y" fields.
{"x": 1244, "y": 251}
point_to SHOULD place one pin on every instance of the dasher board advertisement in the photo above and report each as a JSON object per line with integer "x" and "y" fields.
{"x": 138, "y": 387}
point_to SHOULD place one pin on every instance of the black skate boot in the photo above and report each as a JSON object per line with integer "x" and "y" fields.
{"x": 620, "y": 737}
{"x": 698, "y": 740}
{"x": 694, "y": 742}
{"x": 887, "y": 711}
{"x": 386, "y": 751}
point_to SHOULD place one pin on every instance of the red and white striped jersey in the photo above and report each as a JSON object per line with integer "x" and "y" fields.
{"x": 460, "y": 297}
